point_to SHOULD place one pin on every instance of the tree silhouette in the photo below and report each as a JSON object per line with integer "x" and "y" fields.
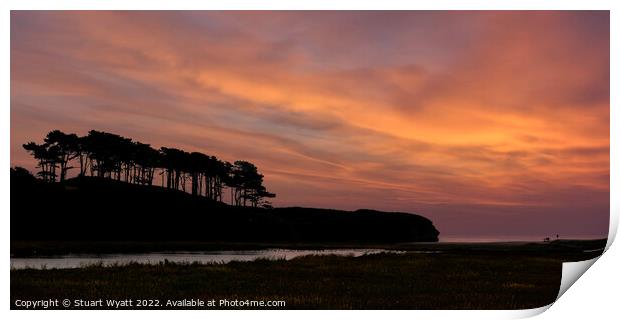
{"x": 108, "y": 155}
{"x": 65, "y": 148}
{"x": 47, "y": 157}
{"x": 145, "y": 160}
{"x": 171, "y": 161}
{"x": 248, "y": 184}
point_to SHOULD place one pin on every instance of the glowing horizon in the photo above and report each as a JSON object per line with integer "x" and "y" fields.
{"x": 488, "y": 123}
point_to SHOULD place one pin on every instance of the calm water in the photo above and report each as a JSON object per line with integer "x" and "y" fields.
{"x": 77, "y": 261}
{"x": 525, "y": 238}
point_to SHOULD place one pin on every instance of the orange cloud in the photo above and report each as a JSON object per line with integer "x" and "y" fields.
{"x": 437, "y": 112}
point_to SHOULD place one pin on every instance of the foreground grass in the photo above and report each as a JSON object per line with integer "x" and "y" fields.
{"x": 460, "y": 280}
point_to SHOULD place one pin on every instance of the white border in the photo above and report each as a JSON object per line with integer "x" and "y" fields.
{"x": 592, "y": 295}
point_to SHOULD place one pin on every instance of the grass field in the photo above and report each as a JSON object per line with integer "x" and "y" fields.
{"x": 466, "y": 277}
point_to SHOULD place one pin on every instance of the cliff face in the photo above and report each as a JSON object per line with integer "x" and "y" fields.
{"x": 362, "y": 225}
{"x": 104, "y": 210}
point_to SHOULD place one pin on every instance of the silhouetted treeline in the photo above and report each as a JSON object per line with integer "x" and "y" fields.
{"x": 101, "y": 209}
{"x": 107, "y": 155}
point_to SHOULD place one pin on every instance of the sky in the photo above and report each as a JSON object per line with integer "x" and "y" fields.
{"x": 488, "y": 123}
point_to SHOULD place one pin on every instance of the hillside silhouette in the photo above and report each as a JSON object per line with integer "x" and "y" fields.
{"x": 126, "y": 190}
{"x": 99, "y": 209}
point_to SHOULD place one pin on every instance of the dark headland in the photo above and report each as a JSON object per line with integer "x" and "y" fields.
{"x": 98, "y": 209}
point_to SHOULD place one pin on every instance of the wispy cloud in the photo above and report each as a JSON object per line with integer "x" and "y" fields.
{"x": 503, "y": 116}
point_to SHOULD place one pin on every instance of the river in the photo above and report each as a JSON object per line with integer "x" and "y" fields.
{"x": 81, "y": 260}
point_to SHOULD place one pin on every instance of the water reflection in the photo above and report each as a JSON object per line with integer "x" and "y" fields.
{"x": 77, "y": 261}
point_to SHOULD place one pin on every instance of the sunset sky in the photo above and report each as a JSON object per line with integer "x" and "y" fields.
{"x": 488, "y": 123}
